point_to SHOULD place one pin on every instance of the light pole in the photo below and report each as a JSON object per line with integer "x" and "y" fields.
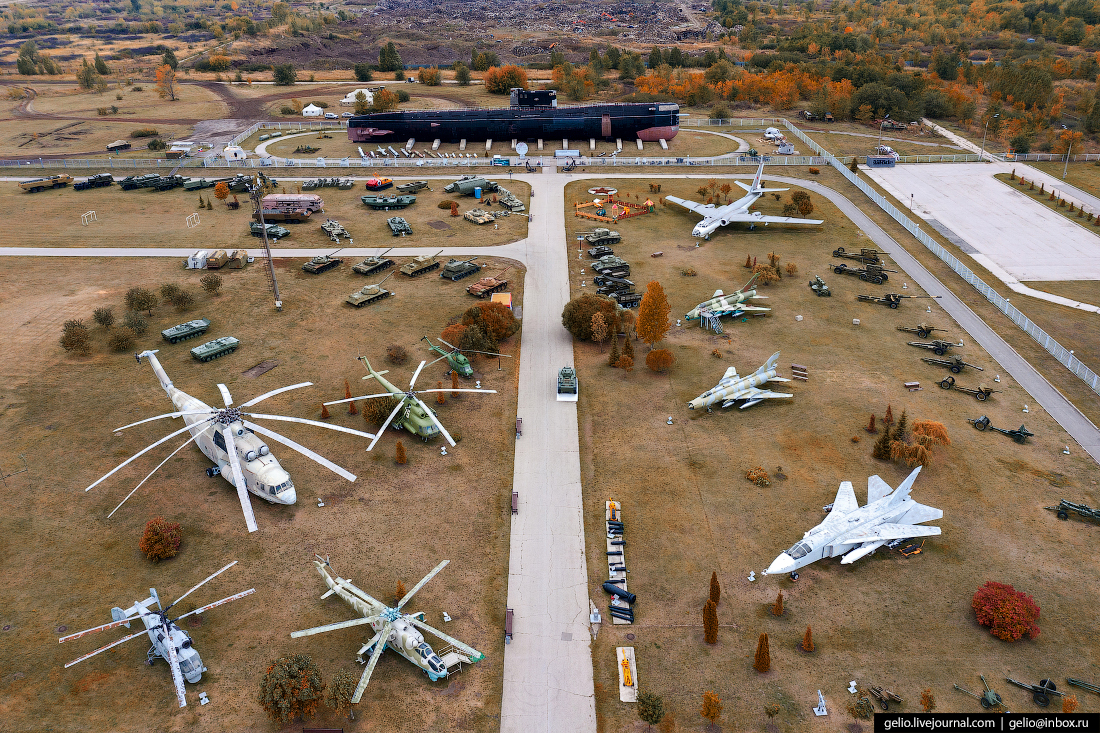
{"x": 911, "y": 201}
{"x": 880, "y": 126}
{"x": 1066, "y": 168}
{"x": 981, "y": 156}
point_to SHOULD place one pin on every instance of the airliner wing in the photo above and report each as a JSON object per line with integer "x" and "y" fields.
{"x": 701, "y": 209}
{"x": 753, "y": 219}
{"x": 886, "y": 532}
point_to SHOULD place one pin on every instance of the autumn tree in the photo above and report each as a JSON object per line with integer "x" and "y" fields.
{"x": 927, "y": 700}
{"x": 715, "y": 588}
{"x": 576, "y": 318}
{"x": 384, "y": 101}
{"x": 651, "y": 708}
{"x": 454, "y": 383}
{"x": 626, "y": 363}
{"x": 1069, "y": 704}
{"x": 888, "y": 418}
{"x": 1009, "y": 613}
{"x": 440, "y": 399}
{"x": 211, "y": 283}
{"x": 599, "y": 329}
{"x": 801, "y": 199}
{"x": 501, "y": 80}
{"x": 399, "y": 592}
{"x": 377, "y": 410}
{"x": 292, "y": 688}
{"x": 653, "y": 322}
{"x": 340, "y": 692}
{"x": 881, "y": 448}
{"x": 400, "y": 456}
{"x": 710, "y": 622}
{"x": 808, "y": 640}
{"x": 75, "y": 337}
{"x": 362, "y": 106}
{"x": 184, "y": 300}
{"x": 221, "y": 191}
{"x": 712, "y": 707}
{"x": 659, "y": 360}
{"x": 121, "y": 339}
{"x": 166, "y": 82}
{"x": 397, "y": 355}
{"x": 613, "y": 359}
{"x": 430, "y": 76}
{"x": 496, "y": 319}
{"x": 777, "y": 607}
{"x": 141, "y": 299}
{"x": 104, "y": 317}
{"x": 763, "y": 660}
{"x": 161, "y": 539}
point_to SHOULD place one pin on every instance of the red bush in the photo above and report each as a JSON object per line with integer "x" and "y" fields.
{"x": 161, "y": 539}
{"x": 1009, "y": 613}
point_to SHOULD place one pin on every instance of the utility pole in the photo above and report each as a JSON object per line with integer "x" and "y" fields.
{"x": 257, "y": 195}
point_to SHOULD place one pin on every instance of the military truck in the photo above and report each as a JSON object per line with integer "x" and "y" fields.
{"x": 611, "y": 265}
{"x": 99, "y": 180}
{"x": 413, "y": 186}
{"x": 466, "y": 185}
{"x": 370, "y": 294}
{"x": 274, "y": 231}
{"x": 289, "y": 215}
{"x": 322, "y": 263}
{"x": 602, "y": 235}
{"x": 568, "y": 386}
{"x": 486, "y": 286}
{"x": 41, "y": 184}
{"x": 167, "y": 183}
{"x": 399, "y": 226}
{"x": 374, "y": 263}
{"x": 479, "y": 216}
{"x": 197, "y": 184}
{"x": 183, "y": 331}
{"x": 458, "y": 269}
{"x": 385, "y": 203}
{"x": 129, "y": 183}
{"x": 420, "y": 264}
{"x": 626, "y": 300}
{"x": 215, "y": 349}
{"x": 217, "y": 260}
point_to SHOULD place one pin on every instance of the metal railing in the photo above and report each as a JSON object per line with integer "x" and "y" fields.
{"x": 1059, "y": 352}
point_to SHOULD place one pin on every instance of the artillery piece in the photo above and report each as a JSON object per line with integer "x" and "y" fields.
{"x": 923, "y": 330}
{"x": 866, "y": 256}
{"x": 955, "y": 363}
{"x": 1064, "y": 508}
{"x": 938, "y": 347}
{"x": 982, "y": 393}
{"x": 884, "y": 697}
{"x": 988, "y": 699}
{"x": 891, "y": 299}
{"x": 1083, "y": 685}
{"x": 871, "y": 273}
{"x": 1041, "y": 692}
{"x": 983, "y": 423}
{"x": 819, "y": 287}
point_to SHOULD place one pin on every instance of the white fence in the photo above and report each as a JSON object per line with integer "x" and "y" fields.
{"x": 303, "y": 126}
{"x": 1059, "y": 352}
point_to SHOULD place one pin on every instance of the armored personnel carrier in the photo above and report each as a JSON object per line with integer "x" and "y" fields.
{"x": 374, "y": 263}
{"x": 486, "y": 286}
{"x": 370, "y": 294}
{"x": 183, "y": 331}
{"x": 40, "y": 184}
{"x": 458, "y": 269}
{"x": 385, "y": 203}
{"x": 479, "y": 216}
{"x": 167, "y": 183}
{"x": 399, "y": 226}
{"x": 602, "y": 235}
{"x": 216, "y": 348}
{"x": 129, "y": 183}
{"x": 334, "y": 230}
{"x": 99, "y": 180}
{"x": 321, "y": 263}
{"x": 420, "y": 264}
{"x": 600, "y": 251}
{"x": 241, "y": 183}
{"x": 412, "y": 186}
{"x": 274, "y": 231}
{"x": 611, "y": 265}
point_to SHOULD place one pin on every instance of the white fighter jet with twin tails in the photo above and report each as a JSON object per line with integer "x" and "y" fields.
{"x": 854, "y": 531}
{"x": 738, "y": 211}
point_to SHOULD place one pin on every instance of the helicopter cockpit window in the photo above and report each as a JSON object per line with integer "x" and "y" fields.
{"x": 424, "y": 650}
{"x": 801, "y": 549}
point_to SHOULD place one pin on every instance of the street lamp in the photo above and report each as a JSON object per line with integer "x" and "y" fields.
{"x": 981, "y": 156}
{"x": 1066, "y": 169}
{"x": 880, "y": 126}
{"x": 911, "y": 201}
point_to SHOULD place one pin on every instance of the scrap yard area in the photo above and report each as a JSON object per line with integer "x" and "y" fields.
{"x": 904, "y": 623}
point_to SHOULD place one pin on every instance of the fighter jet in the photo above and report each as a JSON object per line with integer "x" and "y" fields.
{"x": 854, "y": 531}
{"x": 720, "y": 216}
{"x": 729, "y": 305}
{"x": 732, "y": 387}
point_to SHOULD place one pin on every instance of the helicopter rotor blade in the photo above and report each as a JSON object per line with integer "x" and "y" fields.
{"x": 142, "y": 452}
{"x": 226, "y": 397}
{"x": 400, "y": 404}
{"x": 223, "y": 601}
{"x": 177, "y": 450}
{"x": 365, "y": 397}
{"x": 439, "y": 359}
{"x": 482, "y": 391}
{"x": 272, "y": 393}
{"x": 200, "y": 585}
{"x": 331, "y": 627}
{"x": 238, "y": 479}
{"x": 451, "y": 345}
{"x": 422, "y": 583}
{"x": 112, "y": 645}
{"x": 161, "y": 417}
{"x": 383, "y": 635}
{"x": 104, "y": 627}
{"x": 174, "y": 663}
{"x": 309, "y": 422}
{"x": 487, "y": 353}
{"x": 445, "y": 637}
{"x": 301, "y": 449}
{"x": 433, "y": 418}
{"x": 416, "y": 374}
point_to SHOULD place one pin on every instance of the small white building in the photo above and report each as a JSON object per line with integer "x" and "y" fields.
{"x": 349, "y": 101}
{"x": 234, "y": 152}
{"x": 312, "y": 110}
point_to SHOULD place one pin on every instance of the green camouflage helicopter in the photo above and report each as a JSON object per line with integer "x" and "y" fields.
{"x": 455, "y": 358}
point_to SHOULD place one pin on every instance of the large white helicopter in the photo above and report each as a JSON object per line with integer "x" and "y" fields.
{"x": 392, "y": 628}
{"x": 170, "y": 642}
{"x": 418, "y": 418}
{"x": 227, "y": 439}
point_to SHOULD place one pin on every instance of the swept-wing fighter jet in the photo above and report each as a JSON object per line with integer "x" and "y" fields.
{"x": 732, "y": 387}
{"x": 733, "y": 304}
{"x": 854, "y": 531}
{"x": 720, "y": 216}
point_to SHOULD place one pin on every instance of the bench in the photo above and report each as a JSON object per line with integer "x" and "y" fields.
{"x": 508, "y": 626}
{"x": 515, "y": 502}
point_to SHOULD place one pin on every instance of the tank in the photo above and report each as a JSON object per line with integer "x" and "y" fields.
{"x": 334, "y": 230}
{"x": 479, "y": 216}
{"x": 344, "y": 184}
{"x": 385, "y": 203}
{"x": 602, "y": 235}
{"x": 511, "y": 202}
{"x": 129, "y": 183}
{"x": 374, "y": 263}
{"x": 312, "y": 184}
{"x": 465, "y": 186}
{"x": 321, "y": 263}
{"x": 289, "y": 215}
{"x": 600, "y": 251}
{"x": 412, "y": 186}
{"x": 97, "y": 181}
{"x": 611, "y": 265}
{"x": 274, "y": 231}
{"x": 216, "y": 348}
{"x": 378, "y": 184}
{"x": 183, "y": 331}
{"x": 167, "y": 183}
{"x": 486, "y": 286}
{"x": 458, "y": 269}
{"x": 420, "y": 264}
{"x": 241, "y": 183}
{"x": 370, "y": 294}
{"x": 399, "y": 226}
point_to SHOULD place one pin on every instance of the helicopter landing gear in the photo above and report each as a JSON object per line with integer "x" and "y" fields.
{"x": 214, "y": 471}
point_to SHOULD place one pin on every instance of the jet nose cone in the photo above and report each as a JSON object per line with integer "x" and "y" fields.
{"x": 290, "y": 496}
{"x": 781, "y": 565}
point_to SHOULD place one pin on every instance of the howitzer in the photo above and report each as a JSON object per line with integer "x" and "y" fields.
{"x": 982, "y": 393}
{"x": 891, "y": 299}
{"x": 1065, "y": 507}
{"x": 1041, "y": 692}
{"x": 884, "y": 697}
{"x": 988, "y": 699}
{"x": 983, "y": 424}
{"x": 955, "y": 363}
{"x": 938, "y": 346}
{"x": 871, "y": 273}
{"x": 923, "y": 330}
{"x": 1084, "y": 685}
{"x": 866, "y": 256}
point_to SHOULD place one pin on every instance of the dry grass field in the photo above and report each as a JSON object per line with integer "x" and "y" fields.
{"x": 851, "y": 138}
{"x": 67, "y": 564}
{"x": 1085, "y": 176}
{"x": 901, "y": 622}
{"x": 147, "y": 218}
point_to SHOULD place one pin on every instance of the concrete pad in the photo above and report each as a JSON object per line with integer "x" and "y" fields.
{"x": 1020, "y": 235}
{"x": 664, "y": 144}
{"x": 639, "y": 141}
{"x": 462, "y": 144}
{"x": 435, "y": 144}
{"x": 488, "y": 145}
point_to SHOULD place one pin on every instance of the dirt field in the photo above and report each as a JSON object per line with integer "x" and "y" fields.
{"x": 863, "y": 140}
{"x": 149, "y": 218}
{"x": 901, "y": 622}
{"x": 391, "y": 524}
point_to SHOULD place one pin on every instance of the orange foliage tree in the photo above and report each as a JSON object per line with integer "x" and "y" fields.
{"x": 763, "y": 661}
{"x": 659, "y": 360}
{"x": 292, "y": 688}
{"x": 710, "y": 622}
{"x": 161, "y": 539}
{"x": 501, "y": 80}
{"x": 653, "y": 312}
{"x": 712, "y": 707}
{"x": 1009, "y": 613}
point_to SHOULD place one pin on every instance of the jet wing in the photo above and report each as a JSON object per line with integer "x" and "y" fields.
{"x": 751, "y": 219}
{"x": 701, "y": 209}
{"x": 845, "y": 501}
{"x": 753, "y": 395}
{"x": 921, "y": 513}
{"x": 885, "y": 532}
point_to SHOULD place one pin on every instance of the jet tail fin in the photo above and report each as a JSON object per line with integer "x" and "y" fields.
{"x": 770, "y": 364}
{"x": 748, "y": 285}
